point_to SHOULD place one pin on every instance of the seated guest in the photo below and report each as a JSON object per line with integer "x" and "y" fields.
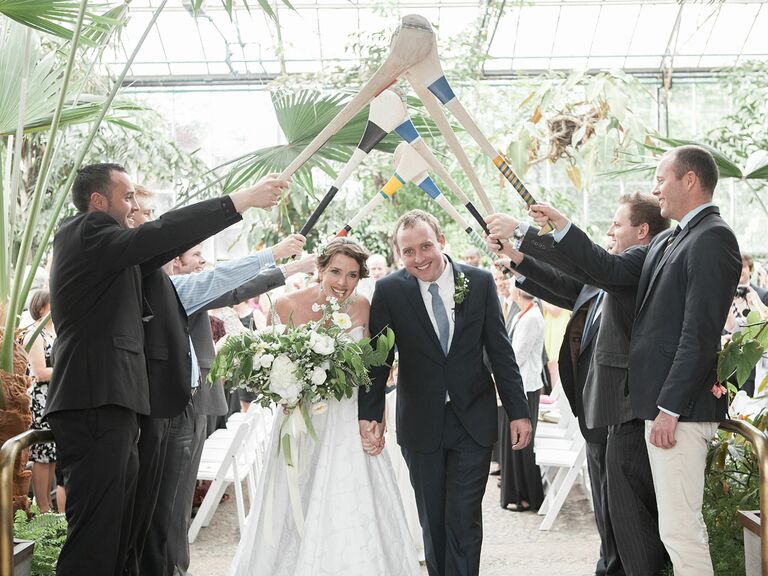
{"x": 42, "y": 456}
{"x": 521, "y": 487}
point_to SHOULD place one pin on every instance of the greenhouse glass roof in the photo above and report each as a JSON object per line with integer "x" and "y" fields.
{"x": 528, "y": 37}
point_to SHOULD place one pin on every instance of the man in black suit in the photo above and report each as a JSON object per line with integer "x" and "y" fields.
{"x": 167, "y": 551}
{"x": 171, "y": 362}
{"x": 444, "y": 316}
{"x": 99, "y": 386}
{"x": 574, "y": 363}
{"x": 685, "y": 281}
{"x": 627, "y": 482}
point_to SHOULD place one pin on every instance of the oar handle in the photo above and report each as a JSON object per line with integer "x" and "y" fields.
{"x": 506, "y": 170}
{"x": 312, "y": 220}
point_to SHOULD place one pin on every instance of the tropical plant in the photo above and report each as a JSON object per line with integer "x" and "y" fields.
{"x": 48, "y": 531}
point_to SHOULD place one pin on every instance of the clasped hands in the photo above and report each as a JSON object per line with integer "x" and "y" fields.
{"x": 372, "y": 436}
{"x": 502, "y": 226}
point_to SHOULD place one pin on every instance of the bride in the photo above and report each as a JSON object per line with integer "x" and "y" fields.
{"x": 354, "y": 521}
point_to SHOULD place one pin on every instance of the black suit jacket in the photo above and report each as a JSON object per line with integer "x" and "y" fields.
{"x": 683, "y": 299}
{"x": 97, "y": 301}
{"x": 606, "y": 389}
{"x": 575, "y": 358}
{"x": 426, "y": 373}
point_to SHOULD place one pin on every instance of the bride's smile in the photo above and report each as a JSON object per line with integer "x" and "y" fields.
{"x": 339, "y": 279}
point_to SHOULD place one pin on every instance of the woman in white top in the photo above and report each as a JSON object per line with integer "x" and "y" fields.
{"x": 521, "y": 487}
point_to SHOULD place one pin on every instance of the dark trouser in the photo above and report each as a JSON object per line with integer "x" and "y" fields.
{"x": 449, "y": 485}
{"x": 166, "y": 550}
{"x": 609, "y": 563}
{"x": 98, "y": 454}
{"x": 153, "y": 442}
{"x": 632, "y": 500}
{"x": 520, "y": 476}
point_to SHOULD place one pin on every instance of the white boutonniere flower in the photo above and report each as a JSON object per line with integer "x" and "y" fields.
{"x": 461, "y": 288}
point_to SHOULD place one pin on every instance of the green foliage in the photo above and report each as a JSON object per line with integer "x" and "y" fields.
{"x": 744, "y": 350}
{"x": 58, "y": 17}
{"x": 49, "y": 531}
{"x": 732, "y": 484}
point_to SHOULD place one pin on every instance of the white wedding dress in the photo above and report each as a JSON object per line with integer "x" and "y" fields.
{"x": 354, "y": 523}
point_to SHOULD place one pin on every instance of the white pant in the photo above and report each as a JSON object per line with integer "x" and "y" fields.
{"x": 678, "y": 477}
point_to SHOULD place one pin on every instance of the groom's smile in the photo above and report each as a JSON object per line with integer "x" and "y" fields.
{"x": 421, "y": 250}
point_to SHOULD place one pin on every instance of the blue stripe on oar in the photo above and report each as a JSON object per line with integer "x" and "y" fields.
{"x": 442, "y": 90}
{"x": 429, "y": 186}
{"x": 407, "y": 131}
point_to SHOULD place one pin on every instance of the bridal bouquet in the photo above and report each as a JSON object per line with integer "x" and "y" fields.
{"x": 301, "y": 366}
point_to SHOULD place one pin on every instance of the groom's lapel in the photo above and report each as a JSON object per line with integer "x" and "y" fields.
{"x": 459, "y": 310}
{"x": 413, "y": 295}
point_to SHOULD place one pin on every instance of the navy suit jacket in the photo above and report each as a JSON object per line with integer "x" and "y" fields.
{"x": 426, "y": 373}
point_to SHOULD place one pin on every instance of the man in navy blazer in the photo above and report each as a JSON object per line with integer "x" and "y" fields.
{"x": 447, "y": 319}
{"x": 99, "y": 386}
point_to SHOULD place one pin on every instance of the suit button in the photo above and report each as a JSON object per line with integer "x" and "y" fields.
{"x": 189, "y": 354}
{"x": 186, "y": 329}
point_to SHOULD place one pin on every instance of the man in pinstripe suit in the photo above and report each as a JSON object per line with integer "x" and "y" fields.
{"x": 631, "y": 497}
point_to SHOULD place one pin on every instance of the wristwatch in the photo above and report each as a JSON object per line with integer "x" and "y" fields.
{"x": 517, "y": 237}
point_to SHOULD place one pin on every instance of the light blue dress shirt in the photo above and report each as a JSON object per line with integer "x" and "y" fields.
{"x": 198, "y": 289}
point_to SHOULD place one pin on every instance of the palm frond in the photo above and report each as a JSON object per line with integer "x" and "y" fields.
{"x": 302, "y": 115}
{"x": 645, "y": 163}
{"x": 57, "y": 17}
{"x": 43, "y": 87}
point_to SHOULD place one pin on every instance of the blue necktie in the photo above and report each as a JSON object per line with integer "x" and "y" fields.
{"x": 592, "y": 314}
{"x": 438, "y": 309}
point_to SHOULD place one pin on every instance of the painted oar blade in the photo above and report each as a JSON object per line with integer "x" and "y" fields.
{"x": 410, "y": 44}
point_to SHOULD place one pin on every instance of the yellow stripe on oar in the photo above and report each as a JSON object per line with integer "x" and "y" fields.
{"x": 393, "y": 185}
{"x": 501, "y": 163}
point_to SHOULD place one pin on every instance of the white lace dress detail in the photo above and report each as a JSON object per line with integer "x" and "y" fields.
{"x": 354, "y": 522}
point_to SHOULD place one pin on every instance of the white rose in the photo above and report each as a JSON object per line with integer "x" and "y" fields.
{"x": 266, "y": 360}
{"x": 321, "y": 344}
{"x": 283, "y": 381}
{"x": 316, "y": 307}
{"x": 318, "y": 376}
{"x": 319, "y": 408}
{"x": 278, "y": 328}
{"x": 342, "y": 320}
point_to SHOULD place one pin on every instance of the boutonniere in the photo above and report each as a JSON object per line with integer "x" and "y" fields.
{"x": 461, "y": 288}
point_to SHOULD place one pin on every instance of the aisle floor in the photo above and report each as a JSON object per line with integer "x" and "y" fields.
{"x": 513, "y": 545}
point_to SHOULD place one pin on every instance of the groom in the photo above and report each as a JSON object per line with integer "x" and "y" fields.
{"x": 447, "y": 321}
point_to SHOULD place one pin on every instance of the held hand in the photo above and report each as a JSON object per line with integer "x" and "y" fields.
{"x": 372, "y": 436}
{"x": 290, "y": 246}
{"x": 520, "y": 433}
{"x": 663, "y": 430}
{"x": 543, "y": 214}
{"x": 501, "y": 225}
{"x": 264, "y": 194}
{"x": 306, "y": 265}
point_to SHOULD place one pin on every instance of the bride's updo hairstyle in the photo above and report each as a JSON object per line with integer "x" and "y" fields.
{"x": 347, "y": 247}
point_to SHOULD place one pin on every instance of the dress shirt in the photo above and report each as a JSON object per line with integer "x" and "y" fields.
{"x": 446, "y": 289}
{"x": 198, "y": 289}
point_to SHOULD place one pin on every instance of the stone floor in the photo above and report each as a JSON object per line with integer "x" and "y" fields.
{"x": 512, "y": 546}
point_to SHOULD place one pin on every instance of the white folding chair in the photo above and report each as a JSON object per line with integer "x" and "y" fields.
{"x": 566, "y": 464}
{"x": 224, "y": 462}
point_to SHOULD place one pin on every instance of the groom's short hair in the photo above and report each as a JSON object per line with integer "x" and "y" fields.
{"x": 410, "y": 219}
